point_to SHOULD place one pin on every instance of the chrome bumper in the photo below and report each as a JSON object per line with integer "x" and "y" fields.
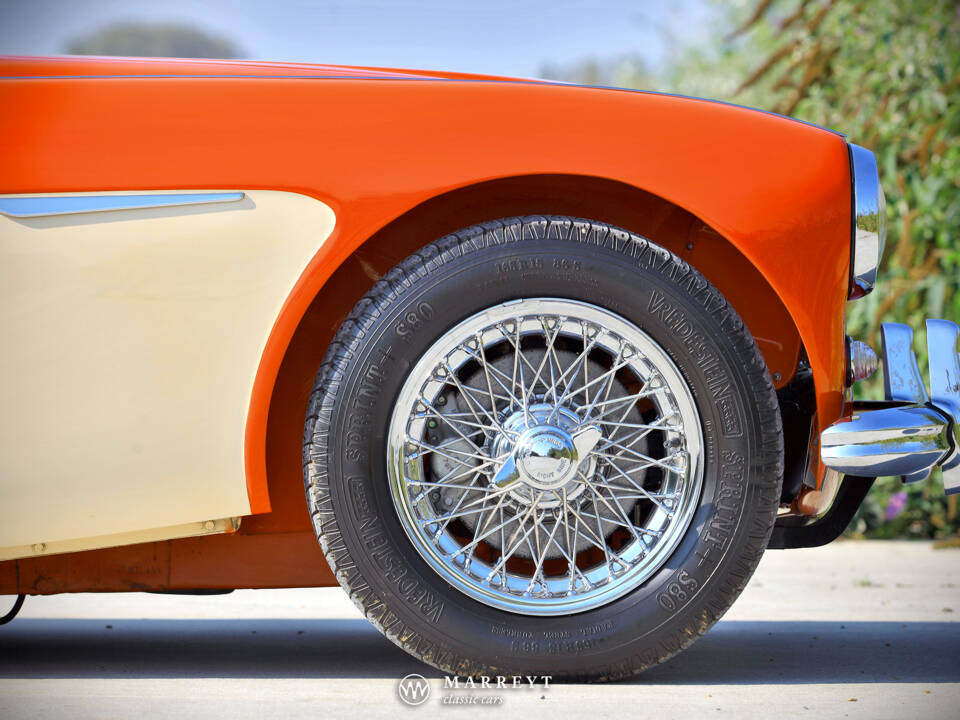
{"x": 912, "y": 432}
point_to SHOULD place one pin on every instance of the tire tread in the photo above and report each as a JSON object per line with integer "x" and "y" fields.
{"x": 766, "y": 460}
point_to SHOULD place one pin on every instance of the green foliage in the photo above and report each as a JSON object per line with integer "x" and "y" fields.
{"x": 927, "y": 513}
{"x": 886, "y": 73}
{"x": 153, "y": 40}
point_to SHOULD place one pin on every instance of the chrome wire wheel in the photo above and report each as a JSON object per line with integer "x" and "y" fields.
{"x": 545, "y": 456}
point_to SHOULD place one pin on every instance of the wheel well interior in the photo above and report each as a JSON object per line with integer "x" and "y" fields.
{"x": 597, "y": 199}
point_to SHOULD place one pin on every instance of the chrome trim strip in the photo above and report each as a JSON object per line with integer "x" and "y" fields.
{"x": 869, "y": 220}
{"x": 50, "y": 205}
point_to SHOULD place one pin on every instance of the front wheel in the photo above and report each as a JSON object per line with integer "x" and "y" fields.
{"x": 543, "y": 446}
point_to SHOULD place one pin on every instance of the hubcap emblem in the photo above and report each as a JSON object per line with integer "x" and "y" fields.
{"x": 546, "y": 457}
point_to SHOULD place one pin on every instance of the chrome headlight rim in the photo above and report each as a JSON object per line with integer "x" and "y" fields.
{"x": 869, "y": 227}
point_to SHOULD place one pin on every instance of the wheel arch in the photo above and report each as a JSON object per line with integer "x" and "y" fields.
{"x": 278, "y": 405}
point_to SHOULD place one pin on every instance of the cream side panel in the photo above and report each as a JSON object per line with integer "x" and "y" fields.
{"x": 207, "y": 527}
{"x": 130, "y": 342}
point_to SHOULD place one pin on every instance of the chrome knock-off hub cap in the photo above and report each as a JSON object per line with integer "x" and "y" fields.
{"x": 544, "y": 450}
{"x": 545, "y": 456}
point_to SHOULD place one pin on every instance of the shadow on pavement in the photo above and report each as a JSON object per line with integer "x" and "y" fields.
{"x": 733, "y": 652}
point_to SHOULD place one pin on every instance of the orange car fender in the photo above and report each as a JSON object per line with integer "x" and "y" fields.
{"x": 374, "y": 148}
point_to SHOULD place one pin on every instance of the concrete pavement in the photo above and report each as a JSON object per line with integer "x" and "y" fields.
{"x": 855, "y": 629}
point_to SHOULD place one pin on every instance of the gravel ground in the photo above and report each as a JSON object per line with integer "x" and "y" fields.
{"x": 854, "y": 629}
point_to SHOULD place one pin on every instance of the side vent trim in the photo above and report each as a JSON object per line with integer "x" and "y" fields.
{"x": 50, "y": 205}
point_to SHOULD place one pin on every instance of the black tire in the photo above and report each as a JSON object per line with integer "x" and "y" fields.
{"x": 345, "y": 466}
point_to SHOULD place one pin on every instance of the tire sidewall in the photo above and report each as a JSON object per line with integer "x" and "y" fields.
{"x": 651, "y": 621}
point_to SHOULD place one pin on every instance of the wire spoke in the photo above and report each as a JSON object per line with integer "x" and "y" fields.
{"x": 480, "y": 392}
{"x": 457, "y": 430}
{"x": 519, "y": 360}
{"x": 623, "y": 450}
{"x": 454, "y": 418}
{"x": 445, "y": 449}
{"x": 500, "y": 377}
{"x": 640, "y": 488}
{"x": 471, "y": 401}
{"x": 508, "y": 400}
{"x": 617, "y": 509}
{"x": 546, "y": 358}
{"x": 632, "y": 399}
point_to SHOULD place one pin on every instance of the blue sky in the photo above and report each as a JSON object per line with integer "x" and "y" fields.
{"x": 495, "y": 36}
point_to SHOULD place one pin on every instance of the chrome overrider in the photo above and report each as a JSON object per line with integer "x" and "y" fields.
{"x": 913, "y": 432}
